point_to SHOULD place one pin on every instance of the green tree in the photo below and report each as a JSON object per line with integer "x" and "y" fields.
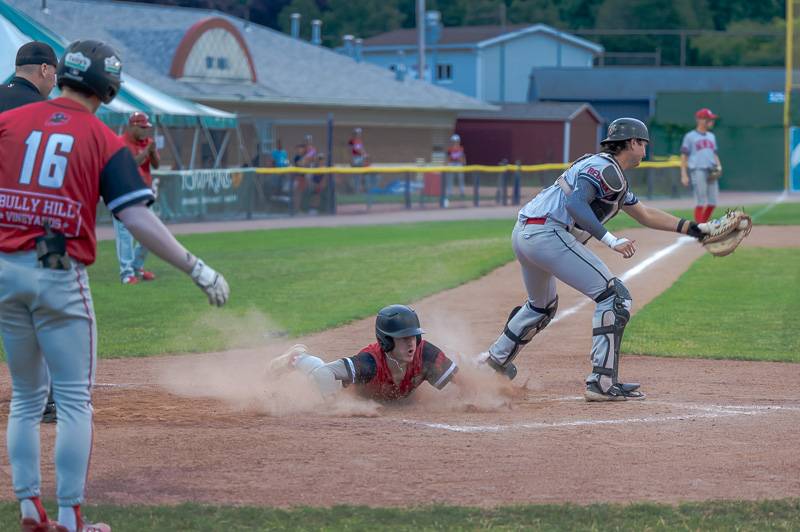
{"x": 534, "y": 12}
{"x": 651, "y": 15}
{"x": 716, "y": 50}
{"x": 724, "y": 12}
{"x": 364, "y": 18}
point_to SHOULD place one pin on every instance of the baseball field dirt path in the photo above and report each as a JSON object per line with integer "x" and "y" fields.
{"x": 216, "y": 428}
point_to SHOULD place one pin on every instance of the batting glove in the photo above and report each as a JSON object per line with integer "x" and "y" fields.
{"x": 211, "y": 282}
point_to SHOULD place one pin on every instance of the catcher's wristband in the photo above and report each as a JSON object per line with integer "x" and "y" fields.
{"x": 693, "y": 230}
{"x": 609, "y": 239}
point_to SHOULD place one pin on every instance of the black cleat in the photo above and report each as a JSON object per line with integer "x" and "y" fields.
{"x": 49, "y": 415}
{"x": 616, "y": 392}
{"x": 508, "y": 369}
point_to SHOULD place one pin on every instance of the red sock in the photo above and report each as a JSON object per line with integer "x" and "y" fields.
{"x": 698, "y": 213}
{"x": 707, "y": 213}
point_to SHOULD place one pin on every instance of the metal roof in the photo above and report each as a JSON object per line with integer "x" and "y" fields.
{"x": 537, "y": 111}
{"x": 289, "y": 71}
{"x": 643, "y": 83}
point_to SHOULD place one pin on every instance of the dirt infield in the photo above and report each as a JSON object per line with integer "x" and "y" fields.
{"x": 214, "y": 428}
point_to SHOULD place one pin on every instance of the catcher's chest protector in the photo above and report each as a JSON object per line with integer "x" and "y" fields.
{"x": 613, "y": 183}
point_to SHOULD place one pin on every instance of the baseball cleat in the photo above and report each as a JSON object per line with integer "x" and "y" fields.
{"x": 146, "y": 275}
{"x": 616, "y": 392}
{"x": 49, "y": 415}
{"x": 508, "y": 370}
{"x": 130, "y": 280}
{"x": 29, "y": 524}
{"x": 287, "y": 360}
{"x": 84, "y": 527}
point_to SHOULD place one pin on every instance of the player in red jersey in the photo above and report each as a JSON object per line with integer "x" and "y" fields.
{"x": 56, "y": 161}
{"x": 386, "y": 370}
{"x": 132, "y": 254}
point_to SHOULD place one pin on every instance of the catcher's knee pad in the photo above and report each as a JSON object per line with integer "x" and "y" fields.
{"x": 522, "y": 325}
{"x": 610, "y": 319}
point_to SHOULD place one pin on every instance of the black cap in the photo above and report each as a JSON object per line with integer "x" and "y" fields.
{"x": 36, "y": 53}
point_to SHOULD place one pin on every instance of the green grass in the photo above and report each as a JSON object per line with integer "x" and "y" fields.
{"x": 294, "y": 280}
{"x": 744, "y": 306}
{"x": 780, "y": 214}
{"x": 301, "y": 280}
{"x": 707, "y": 516}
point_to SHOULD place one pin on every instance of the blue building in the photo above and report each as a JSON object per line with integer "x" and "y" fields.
{"x": 490, "y": 63}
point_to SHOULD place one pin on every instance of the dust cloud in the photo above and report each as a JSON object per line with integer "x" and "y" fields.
{"x": 245, "y": 379}
{"x": 476, "y": 387}
{"x": 240, "y": 376}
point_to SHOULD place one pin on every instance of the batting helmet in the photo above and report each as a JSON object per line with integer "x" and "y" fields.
{"x": 396, "y": 321}
{"x": 91, "y": 66}
{"x": 626, "y": 129}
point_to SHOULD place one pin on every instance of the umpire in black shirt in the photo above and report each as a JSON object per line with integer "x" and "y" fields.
{"x": 34, "y": 78}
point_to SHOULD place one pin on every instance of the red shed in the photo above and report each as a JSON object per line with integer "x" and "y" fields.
{"x": 532, "y": 133}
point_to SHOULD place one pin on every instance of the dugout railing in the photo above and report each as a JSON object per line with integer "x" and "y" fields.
{"x": 244, "y": 193}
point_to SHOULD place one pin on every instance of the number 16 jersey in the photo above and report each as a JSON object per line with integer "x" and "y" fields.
{"x": 57, "y": 159}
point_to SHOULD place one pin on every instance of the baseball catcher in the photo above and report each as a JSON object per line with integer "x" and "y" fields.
{"x": 548, "y": 241}
{"x": 386, "y": 370}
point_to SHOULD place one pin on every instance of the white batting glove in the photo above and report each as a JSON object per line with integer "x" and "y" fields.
{"x": 211, "y": 282}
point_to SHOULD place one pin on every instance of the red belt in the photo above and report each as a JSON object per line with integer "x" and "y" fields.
{"x": 537, "y": 221}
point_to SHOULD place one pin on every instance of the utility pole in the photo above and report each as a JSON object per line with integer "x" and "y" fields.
{"x": 421, "y": 39}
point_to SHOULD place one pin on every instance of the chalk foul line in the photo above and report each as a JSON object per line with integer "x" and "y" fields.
{"x": 701, "y": 412}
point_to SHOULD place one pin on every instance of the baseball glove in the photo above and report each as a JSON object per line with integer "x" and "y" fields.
{"x": 724, "y": 234}
{"x": 714, "y": 172}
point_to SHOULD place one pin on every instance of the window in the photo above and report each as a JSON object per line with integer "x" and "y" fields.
{"x": 444, "y": 72}
{"x": 209, "y": 62}
{"x": 222, "y": 63}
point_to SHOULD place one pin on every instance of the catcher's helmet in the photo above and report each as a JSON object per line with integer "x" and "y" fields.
{"x": 626, "y": 129}
{"x": 91, "y": 66}
{"x": 396, "y": 321}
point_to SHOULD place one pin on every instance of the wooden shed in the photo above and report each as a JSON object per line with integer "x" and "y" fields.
{"x": 532, "y": 133}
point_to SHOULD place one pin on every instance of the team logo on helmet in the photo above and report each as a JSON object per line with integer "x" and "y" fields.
{"x": 113, "y": 65}
{"x": 77, "y": 62}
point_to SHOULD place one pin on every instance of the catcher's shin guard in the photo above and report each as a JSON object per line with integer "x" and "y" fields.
{"x": 522, "y": 325}
{"x": 610, "y": 319}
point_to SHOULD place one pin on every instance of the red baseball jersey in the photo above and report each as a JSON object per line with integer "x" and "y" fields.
{"x": 455, "y": 153}
{"x": 356, "y": 146}
{"x": 57, "y": 159}
{"x": 137, "y": 147}
{"x": 369, "y": 370}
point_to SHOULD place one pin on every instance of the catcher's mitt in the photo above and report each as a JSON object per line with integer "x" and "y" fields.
{"x": 727, "y": 232}
{"x": 714, "y": 172}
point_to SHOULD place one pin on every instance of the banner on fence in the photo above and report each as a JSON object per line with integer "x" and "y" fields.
{"x": 200, "y": 194}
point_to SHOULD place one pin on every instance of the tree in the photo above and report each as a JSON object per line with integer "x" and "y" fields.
{"x": 534, "y": 12}
{"x": 651, "y": 15}
{"x": 714, "y": 50}
{"x": 578, "y": 14}
{"x": 724, "y": 12}
{"x": 364, "y": 18}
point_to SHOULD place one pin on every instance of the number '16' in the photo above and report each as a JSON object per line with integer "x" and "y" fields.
{"x": 54, "y": 160}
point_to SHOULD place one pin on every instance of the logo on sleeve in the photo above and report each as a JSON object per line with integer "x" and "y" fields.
{"x": 77, "y": 61}
{"x": 57, "y": 119}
